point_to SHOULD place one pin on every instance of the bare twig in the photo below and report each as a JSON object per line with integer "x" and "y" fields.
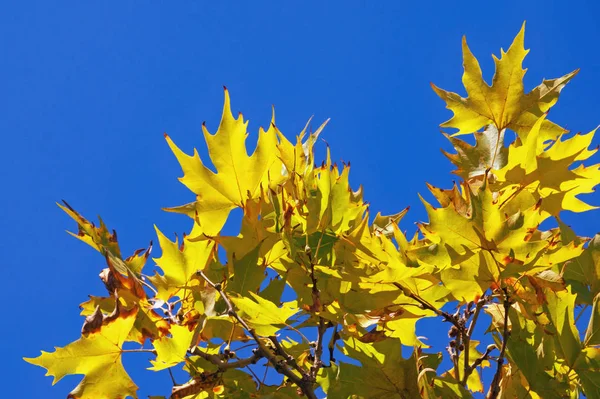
{"x": 265, "y": 375}
{"x": 304, "y": 383}
{"x": 260, "y": 383}
{"x": 494, "y": 390}
{"x": 172, "y": 377}
{"x": 583, "y": 309}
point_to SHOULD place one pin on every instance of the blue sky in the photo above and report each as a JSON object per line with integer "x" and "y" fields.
{"x": 89, "y": 88}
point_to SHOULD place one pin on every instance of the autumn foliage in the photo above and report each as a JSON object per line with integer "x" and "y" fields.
{"x": 325, "y": 297}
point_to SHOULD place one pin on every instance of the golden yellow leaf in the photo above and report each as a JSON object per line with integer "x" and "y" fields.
{"x": 238, "y": 176}
{"x": 504, "y": 103}
{"x": 98, "y": 357}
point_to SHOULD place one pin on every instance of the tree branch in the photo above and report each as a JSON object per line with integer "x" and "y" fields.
{"x": 494, "y": 390}
{"x": 303, "y": 383}
{"x": 223, "y": 365}
{"x": 280, "y": 350}
{"x": 318, "y": 363}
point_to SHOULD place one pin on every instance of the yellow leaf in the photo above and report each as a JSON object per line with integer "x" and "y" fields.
{"x": 171, "y": 351}
{"x": 179, "y": 265}
{"x": 98, "y": 357}
{"x": 106, "y": 243}
{"x": 238, "y": 176}
{"x": 262, "y": 315}
{"x": 504, "y": 103}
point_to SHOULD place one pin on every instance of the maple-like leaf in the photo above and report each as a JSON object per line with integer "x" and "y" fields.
{"x": 488, "y": 236}
{"x": 504, "y": 103}
{"x": 96, "y": 355}
{"x": 238, "y": 176}
{"x": 546, "y": 170}
{"x": 179, "y": 264}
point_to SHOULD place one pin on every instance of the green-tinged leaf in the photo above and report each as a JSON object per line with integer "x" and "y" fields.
{"x": 171, "y": 351}
{"x": 265, "y": 317}
{"x": 560, "y": 310}
{"x": 247, "y": 274}
{"x": 383, "y": 372}
{"x": 592, "y": 333}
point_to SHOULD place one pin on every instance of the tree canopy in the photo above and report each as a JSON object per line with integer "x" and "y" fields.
{"x": 320, "y": 293}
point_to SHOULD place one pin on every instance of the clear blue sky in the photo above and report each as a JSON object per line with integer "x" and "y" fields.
{"x": 89, "y": 88}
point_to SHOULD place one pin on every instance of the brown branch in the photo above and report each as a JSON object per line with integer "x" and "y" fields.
{"x": 494, "y": 390}
{"x": 306, "y": 385}
{"x": 468, "y": 369}
{"x": 316, "y": 306}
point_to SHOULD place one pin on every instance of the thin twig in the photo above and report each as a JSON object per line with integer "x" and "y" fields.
{"x": 265, "y": 375}
{"x": 255, "y": 376}
{"x": 172, "y": 377}
{"x": 334, "y": 337}
{"x": 580, "y": 313}
{"x": 467, "y": 339}
{"x": 447, "y": 316}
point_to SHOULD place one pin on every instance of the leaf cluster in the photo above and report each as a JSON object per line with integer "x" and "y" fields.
{"x": 319, "y": 293}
